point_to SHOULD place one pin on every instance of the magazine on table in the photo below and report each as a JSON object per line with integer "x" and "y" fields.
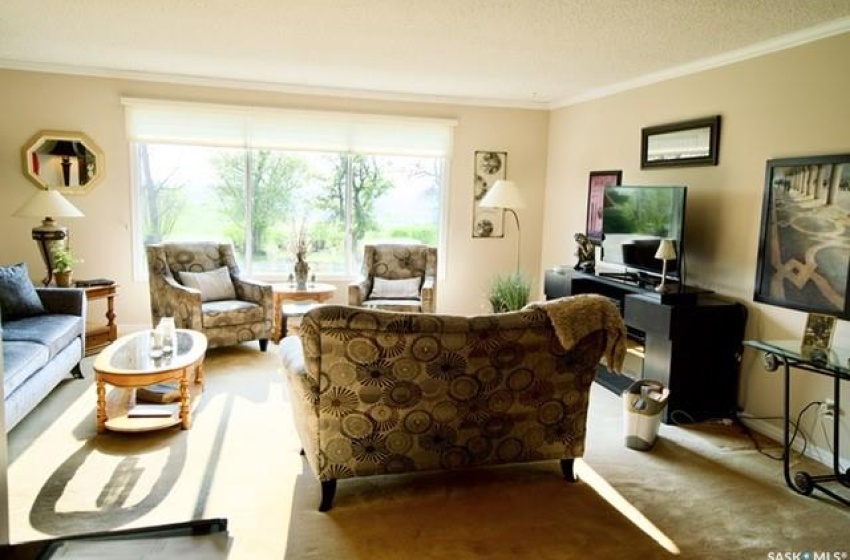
{"x": 152, "y": 411}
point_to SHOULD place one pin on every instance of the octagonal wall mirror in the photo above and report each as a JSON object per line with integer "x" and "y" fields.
{"x": 69, "y": 162}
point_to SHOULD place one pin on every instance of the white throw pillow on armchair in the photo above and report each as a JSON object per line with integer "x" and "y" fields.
{"x": 215, "y": 285}
{"x": 402, "y": 288}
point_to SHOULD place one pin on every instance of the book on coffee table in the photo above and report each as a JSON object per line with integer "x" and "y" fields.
{"x": 159, "y": 393}
{"x": 151, "y": 411}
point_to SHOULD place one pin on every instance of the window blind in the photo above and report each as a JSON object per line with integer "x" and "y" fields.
{"x": 177, "y": 122}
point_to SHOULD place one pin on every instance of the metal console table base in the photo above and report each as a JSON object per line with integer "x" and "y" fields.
{"x": 836, "y": 366}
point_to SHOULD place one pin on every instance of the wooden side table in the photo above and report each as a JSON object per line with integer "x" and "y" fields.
{"x": 315, "y": 292}
{"x": 99, "y": 337}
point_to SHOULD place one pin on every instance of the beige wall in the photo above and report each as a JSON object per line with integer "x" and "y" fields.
{"x": 31, "y": 101}
{"x": 790, "y": 103}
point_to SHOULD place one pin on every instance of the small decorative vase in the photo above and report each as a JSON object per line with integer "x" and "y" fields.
{"x": 168, "y": 334}
{"x": 302, "y": 269}
{"x": 156, "y": 344}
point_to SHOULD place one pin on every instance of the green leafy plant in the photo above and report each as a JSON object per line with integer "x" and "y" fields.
{"x": 64, "y": 260}
{"x": 509, "y": 293}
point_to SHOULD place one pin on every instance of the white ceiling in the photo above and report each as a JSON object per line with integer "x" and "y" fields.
{"x": 504, "y": 52}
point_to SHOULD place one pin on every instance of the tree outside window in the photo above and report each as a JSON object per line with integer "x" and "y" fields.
{"x": 345, "y": 200}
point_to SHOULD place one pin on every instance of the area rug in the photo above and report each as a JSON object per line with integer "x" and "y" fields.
{"x": 727, "y": 435}
{"x": 691, "y": 496}
{"x": 238, "y": 461}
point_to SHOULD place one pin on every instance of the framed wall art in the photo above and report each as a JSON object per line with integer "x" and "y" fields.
{"x": 595, "y": 192}
{"x": 489, "y": 168}
{"x": 694, "y": 142}
{"x": 817, "y": 337}
{"x": 804, "y": 244}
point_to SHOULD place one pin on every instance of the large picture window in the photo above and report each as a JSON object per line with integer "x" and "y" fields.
{"x": 204, "y": 187}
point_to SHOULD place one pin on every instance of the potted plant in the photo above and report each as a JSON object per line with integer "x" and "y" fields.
{"x": 509, "y": 293}
{"x": 63, "y": 263}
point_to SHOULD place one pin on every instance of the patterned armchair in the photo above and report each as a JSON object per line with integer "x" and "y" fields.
{"x": 376, "y": 393}
{"x": 198, "y": 284}
{"x": 397, "y": 278}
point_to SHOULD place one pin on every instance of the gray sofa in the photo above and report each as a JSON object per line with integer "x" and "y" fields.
{"x": 42, "y": 349}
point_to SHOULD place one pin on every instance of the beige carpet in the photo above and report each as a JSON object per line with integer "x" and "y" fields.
{"x": 702, "y": 492}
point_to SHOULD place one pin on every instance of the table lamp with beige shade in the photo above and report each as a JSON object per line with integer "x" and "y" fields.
{"x": 666, "y": 252}
{"x": 50, "y": 236}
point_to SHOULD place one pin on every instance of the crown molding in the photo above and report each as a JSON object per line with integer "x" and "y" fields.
{"x": 823, "y": 31}
{"x": 832, "y": 28}
{"x": 292, "y": 89}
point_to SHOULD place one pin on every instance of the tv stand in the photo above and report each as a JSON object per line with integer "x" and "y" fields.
{"x": 631, "y": 277}
{"x": 692, "y": 341}
{"x": 641, "y": 280}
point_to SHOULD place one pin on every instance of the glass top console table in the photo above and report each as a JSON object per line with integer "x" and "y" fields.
{"x": 834, "y": 363}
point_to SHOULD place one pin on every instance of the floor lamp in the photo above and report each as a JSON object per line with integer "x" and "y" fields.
{"x": 506, "y": 195}
{"x": 50, "y": 236}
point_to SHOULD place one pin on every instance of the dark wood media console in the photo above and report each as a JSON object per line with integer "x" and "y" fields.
{"x": 692, "y": 341}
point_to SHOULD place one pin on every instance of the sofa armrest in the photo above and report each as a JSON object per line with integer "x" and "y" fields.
{"x": 68, "y": 301}
{"x": 427, "y": 295}
{"x": 260, "y": 293}
{"x": 358, "y": 292}
{"x": 250, "y": 290}
{"x": 304, "y": 398}
{"x": 254, "y": 291}
{"x": 181, "y": 298}
{"x": 292, "y": 355}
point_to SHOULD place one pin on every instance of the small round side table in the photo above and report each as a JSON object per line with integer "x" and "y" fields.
{"x": 315, "y": 292}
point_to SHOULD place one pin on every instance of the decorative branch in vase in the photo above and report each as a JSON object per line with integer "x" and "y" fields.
{"x": 302, "y": 269}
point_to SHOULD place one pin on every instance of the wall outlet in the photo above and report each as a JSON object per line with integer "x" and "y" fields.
{"x": 827, "y": 408}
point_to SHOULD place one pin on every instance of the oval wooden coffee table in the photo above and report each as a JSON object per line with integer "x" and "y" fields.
{"x": 127, "y": 363}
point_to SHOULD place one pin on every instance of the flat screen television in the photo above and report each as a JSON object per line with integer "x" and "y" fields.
{"x": 634, "y": 221}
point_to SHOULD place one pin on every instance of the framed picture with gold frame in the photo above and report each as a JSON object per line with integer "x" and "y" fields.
{"x": 817, "y": 338}
{"x": 489, "y": 168}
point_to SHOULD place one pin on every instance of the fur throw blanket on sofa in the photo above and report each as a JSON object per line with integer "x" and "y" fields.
{"x": 595, "y": 312}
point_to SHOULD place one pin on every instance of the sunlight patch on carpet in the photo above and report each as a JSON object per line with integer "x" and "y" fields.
{"x": 609, "y": 494}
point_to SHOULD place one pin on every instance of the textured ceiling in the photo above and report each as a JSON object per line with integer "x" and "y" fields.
{"x": 512, "y": 52}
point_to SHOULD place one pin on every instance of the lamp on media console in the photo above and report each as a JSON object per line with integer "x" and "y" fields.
{"x": 48, "y": 204}
{"x": 666, "y": 252}
{"x": 506, "y": 195}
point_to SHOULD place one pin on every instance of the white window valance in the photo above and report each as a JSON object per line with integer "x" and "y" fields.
{"x": 178, "y": 122}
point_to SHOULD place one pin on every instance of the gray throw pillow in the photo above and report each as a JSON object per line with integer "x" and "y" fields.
{"x": 215, "y": 285}
{"x": 18, "y": 298}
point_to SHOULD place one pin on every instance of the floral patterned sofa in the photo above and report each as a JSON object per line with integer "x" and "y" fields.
{"x": 380, "y": 392}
